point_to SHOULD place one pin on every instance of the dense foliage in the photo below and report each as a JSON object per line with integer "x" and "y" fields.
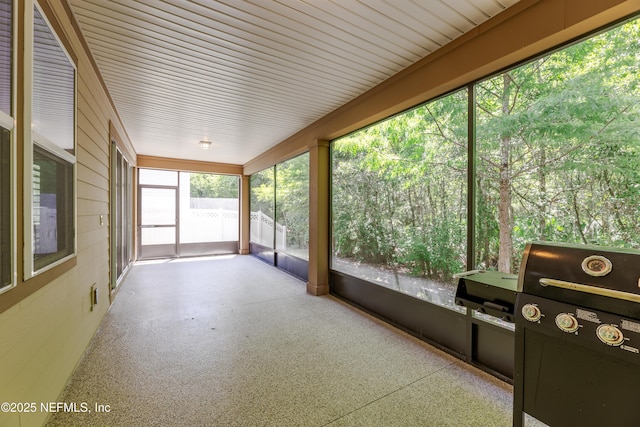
{"x": 558, "y": 148}
{"x": 292, "y": 202}
{"x": 400, "y": 190}
{"x": 263, "y": 194}
{"x": 211, "y": 186}
{"x": 557, "y": 145}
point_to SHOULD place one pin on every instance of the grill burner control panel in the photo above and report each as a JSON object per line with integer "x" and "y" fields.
{"x": 577, "y": 336}
{"x": 595, "y": 329}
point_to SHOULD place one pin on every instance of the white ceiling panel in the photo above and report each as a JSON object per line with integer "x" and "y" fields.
{"x": 247, "y": 74}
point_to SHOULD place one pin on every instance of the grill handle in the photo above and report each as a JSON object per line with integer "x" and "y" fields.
{"x": 590, "y": 289}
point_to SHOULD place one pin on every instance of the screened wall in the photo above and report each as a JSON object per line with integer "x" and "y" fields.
{"x": 556, "y": 158}
{"x": 262, "y": 201}
{"x": 187, "y": 214}
{"x": 558, "y": 147}
{"x": 279, "y": 223}
{"x": 552, "y": 150}
{"x": 400, "y": 200}
{"x": 292, "y": 206}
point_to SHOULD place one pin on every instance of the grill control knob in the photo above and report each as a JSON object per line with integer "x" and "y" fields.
{"x": 566, "y": 322}
{"x": 610, "y": 335}
{"x": 531, "y": 312}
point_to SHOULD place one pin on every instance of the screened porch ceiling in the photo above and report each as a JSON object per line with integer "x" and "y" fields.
{"x": 248, "y": 74}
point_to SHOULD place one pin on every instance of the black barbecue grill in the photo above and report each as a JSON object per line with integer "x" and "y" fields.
{"x": 577, "y": 318}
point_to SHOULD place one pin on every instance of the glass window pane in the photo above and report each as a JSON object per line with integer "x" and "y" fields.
{"x": 209, "y": 208}
{"x": 159, "y": 207}
{"x": 120, "y": 215}
{"x": 399, "y": 200}
{"x": 123, "y": 213}
{"x": 5, "y": 208}
{"x": 158, "y": 177}
{"x": 558, "y": 153}
{"x": 53, "y": 208}
{"x": 262, "y": 207}
{"x": 53, "y": 108}
{"x": 292, "y": 207}
{"x": 6, "y": 55}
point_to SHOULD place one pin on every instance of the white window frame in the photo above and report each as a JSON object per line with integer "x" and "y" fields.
{"x": 32, "y": 138}
{"x": 8, "y": 122}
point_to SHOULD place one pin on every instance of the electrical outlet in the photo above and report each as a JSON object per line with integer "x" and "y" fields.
{"x": 93, "y": 296}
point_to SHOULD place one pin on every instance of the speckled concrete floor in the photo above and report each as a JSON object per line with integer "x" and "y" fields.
{"x": 231, "y": 341}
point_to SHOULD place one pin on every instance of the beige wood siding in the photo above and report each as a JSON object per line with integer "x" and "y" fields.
{"x": 44, "y": 335}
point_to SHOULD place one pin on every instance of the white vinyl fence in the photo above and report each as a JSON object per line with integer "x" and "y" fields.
{"x": 262, "y": 231}
{"x": 208, "y": 225}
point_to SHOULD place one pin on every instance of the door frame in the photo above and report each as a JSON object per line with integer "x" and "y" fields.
{"x": 169, "y": 250}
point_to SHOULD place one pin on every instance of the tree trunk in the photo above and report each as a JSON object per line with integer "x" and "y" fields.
{"x": 504, "y": 205}
{"x": 543, "y": 195}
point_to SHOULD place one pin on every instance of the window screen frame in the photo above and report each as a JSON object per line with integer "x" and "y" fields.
{"x": 7, "y": 121}
{"x": 32, "y": 139}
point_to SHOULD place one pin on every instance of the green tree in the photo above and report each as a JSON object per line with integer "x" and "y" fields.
{"x": 292, "y": 200}
{"x": 400, "y": 191}
{"x": 207, "y": 185}
{"x": 263, "y": 192}
{"x": 554, "y": 138}
{"x": 557, "y": 142}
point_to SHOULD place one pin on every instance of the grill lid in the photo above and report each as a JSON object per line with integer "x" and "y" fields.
{"x": 592, "y": 276}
